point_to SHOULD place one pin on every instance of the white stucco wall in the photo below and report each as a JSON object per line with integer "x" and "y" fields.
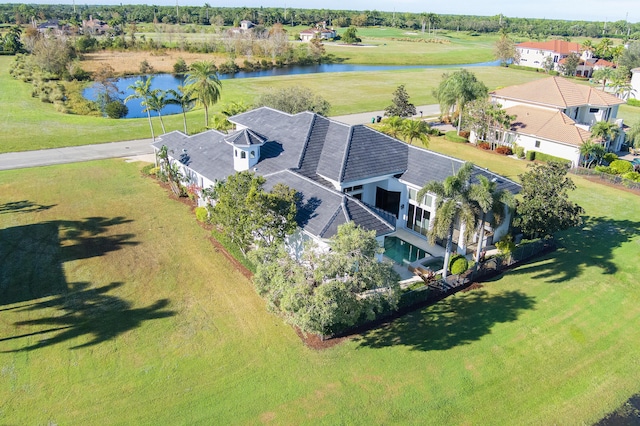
{"x": 568, "y": 152}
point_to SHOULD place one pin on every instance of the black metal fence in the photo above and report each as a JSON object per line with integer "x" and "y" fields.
{"x": 613, "y": 179}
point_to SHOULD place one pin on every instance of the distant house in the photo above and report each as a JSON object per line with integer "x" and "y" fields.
{"x": 554, "y": 116}
{"x": 534, "y": 54}
{"x": 342, "y": 173}
{"x": 245, "y": 26}
{"x": 320, "y": 32}
{"x": 94, "y": 26}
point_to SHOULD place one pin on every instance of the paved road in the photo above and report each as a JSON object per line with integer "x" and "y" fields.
{"x": 365, "y": 117}
{"x": 47, "y": 157}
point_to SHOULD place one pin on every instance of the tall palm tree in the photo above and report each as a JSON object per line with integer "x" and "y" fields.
{"x": 453, "y": 203}
{"x": 185, "y": 99}
{"x": 416, "y": 129}
{"x": 458, "y": 89}
{"x": 142, "y": 90}
{"x": 158, "y": 100}
{"x": 489, "y": 200}
{"x": 604, "y": 74}
{"x": 203, "y": 81}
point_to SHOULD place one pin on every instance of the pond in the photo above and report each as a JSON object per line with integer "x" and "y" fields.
{"x": 169, "y": 81}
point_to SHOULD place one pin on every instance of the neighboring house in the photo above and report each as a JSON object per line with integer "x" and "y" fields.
{"x": 635, "y": 83}
{"x": 94, "y": 26}
{"x": 554, "y": 116}
{"x": 534, "y": 54}
{"x": 320, "y": 33}
{"x": 343, "y": 173}
{"x": 245, "y": 26}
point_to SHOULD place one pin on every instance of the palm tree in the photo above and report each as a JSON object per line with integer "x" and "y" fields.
{"x": 453, "y": 203}
{"x": 142, "y": 90}
{"x": 416, "y": 129}
{"x": 458, "y": 89}
{"x": 203, "y": 81}
{"x": 489, "y": 200}
{"x": 393, "y": 125}
{"x": 604, "y": 74}
{"x": 185, "y": 99}
{"x": 591, "y": 152}
{"x": 633, "y": 135}
{"x": 156, "y": 101}
{"x": 604, "y": 131}
{"x": 222, "y": 123}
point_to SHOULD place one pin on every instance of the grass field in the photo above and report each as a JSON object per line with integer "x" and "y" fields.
{"x": 115, "y": 308}
{"x": 29, "y": 124}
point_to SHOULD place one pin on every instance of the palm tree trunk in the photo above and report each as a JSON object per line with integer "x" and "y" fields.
{"x": 153, "y": 136}
{"x": 447, "y": 252}
{"x": 206, "y": 116}
{"x": 184, "y": 121}
{"x": 459, "y": 118}
{"x": 480, "y": 240}
{"x": 161, "y": 123}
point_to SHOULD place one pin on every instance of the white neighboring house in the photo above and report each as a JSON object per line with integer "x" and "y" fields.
{"x": 554, "y": 116}
{"x": 534, "y": 53}
{"x": 320, "y": 33}
{"x": 635, "y": 84}
{"x": 342, "y": 173}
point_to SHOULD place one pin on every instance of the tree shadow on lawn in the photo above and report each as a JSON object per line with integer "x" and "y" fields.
{"x": 454, "y": 321}
{"x": 31, "y": 269}
{"x": 32, "y": 255}
{"x": 23, "y": 206}
{"x": 591, "y": 244}
{"x": 86, "y": 311}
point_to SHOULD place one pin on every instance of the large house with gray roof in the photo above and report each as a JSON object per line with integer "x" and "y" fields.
{"x": 555, "y": 115}
{"x": 342, "y": 173}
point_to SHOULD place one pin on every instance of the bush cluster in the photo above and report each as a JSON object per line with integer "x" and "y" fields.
{"x": 484, "y": 145}
{"x": 504, "y": 150}
{"x": 458, "y": 264}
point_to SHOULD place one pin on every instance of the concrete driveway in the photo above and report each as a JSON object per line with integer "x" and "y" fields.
{"x": 365, "y": 117}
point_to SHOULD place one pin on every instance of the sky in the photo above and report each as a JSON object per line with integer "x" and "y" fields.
{"x": 589, "y": 10}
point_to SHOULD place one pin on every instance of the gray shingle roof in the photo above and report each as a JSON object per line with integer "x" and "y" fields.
{"x": 245, "y": 137}
{"x": 425, "y": 166}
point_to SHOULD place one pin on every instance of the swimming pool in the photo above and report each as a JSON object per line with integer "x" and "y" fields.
{"x": 401, "y": 251}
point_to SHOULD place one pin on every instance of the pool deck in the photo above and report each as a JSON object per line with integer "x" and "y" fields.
{"x": 417, "y": 241}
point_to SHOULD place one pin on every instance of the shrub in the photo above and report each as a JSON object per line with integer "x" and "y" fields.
{"x": 180, "y": 67}
{"x": 452, "y": 136}
{"x": 609, "y": 157}
{"x": 116, "y": 109}
{"x": 634, "y": 176}
{"x": 504, "y": 150}
{"x": 465, "y": 134}
{"x": 620, "y": 167}
{"x": 458, "y": 264}
{"x": 484, "y": 145}
{"x": 149, "y": 170}
{"x": 146, "y": 68}
{"x": 506, "y": 245}
{"x": 604, "y": 169}
{"x": 520, "y": 151}
{"x": 202, "y": 214}
{"x": 633, "y": 102}
{"x": 540, "y": 156}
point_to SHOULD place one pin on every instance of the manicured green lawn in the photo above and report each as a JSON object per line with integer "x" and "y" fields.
{"x": 147, "y": 323}
{"x": 29, "y": 124}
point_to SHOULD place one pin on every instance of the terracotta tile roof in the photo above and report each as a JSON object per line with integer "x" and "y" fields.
{"x": 558, "y": 46}
{"x": 557, "y": 92}
{"x": 546, "y": 124}
{"x": 604, "y": 63}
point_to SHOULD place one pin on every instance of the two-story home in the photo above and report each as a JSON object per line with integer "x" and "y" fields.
{"x": 342, "y": 173}
{"x": 535, "y": 53}
{"x": 554, "y": 116}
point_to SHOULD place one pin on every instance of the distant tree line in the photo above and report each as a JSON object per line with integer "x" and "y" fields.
{"x": 116, "y": 15}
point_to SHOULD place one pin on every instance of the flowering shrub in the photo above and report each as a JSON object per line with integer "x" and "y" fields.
{"x": 484, "y": 145}
{"x": 504, "y": 150}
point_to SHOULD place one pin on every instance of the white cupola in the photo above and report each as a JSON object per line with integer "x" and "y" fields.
{"x": 246, "y": 148}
